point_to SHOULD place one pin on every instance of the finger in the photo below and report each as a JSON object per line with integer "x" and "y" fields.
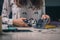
{"x": 23, "y": 18}
{"x": 25, "y": 25}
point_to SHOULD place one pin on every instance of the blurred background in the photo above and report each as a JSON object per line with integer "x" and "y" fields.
{"x": 53, "y": 9}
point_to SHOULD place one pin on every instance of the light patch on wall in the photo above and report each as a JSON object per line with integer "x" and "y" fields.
{"x": 52, "y": 2}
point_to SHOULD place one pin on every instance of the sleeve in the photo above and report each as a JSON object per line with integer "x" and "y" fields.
{"x": 15, "y": 11}
{"x": 5, "y": 13}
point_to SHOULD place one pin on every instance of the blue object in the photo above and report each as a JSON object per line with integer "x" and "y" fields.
{"x": 12, "y": 28}
{"x": 39, "y": 23}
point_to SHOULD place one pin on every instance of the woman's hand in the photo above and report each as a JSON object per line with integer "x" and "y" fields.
{"x": 19, "y": 22}
{"x": 46, "y": 17}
